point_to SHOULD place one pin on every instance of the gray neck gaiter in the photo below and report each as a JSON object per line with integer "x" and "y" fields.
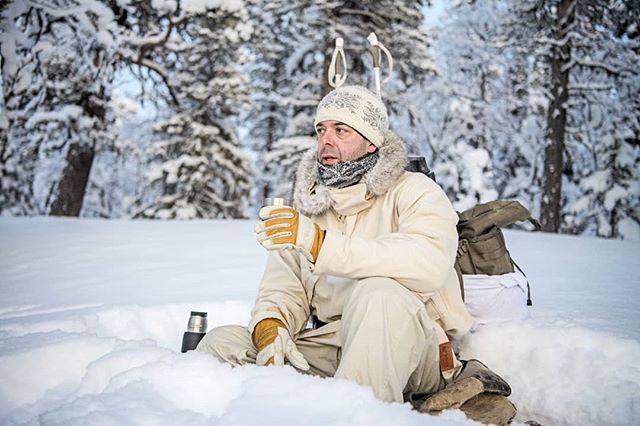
{"x": 348, "y": 173}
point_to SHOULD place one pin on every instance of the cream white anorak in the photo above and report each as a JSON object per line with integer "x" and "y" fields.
{"x": 394, "y": 224}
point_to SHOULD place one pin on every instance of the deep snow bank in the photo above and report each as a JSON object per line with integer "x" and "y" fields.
{"x": 92, "y": 313}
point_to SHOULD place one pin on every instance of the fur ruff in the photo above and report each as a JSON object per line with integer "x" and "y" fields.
{"x": 390, "y": 166}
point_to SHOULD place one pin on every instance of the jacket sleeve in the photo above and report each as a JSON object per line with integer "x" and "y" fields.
{"x": 420, "y": 255}
{"x": 281, "y": 293}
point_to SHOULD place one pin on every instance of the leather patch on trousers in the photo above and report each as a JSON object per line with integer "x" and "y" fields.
{"x": 446, "y": 356}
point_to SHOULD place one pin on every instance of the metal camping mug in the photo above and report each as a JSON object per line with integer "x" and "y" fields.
{"x": 196, "y": 329}
{"x": 277, "y": 201}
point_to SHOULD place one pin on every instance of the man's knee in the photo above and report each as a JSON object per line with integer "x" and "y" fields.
{"x": 384, "y": 304}
{"x": 229, "y": 343}
{"x": 383, "y": 291}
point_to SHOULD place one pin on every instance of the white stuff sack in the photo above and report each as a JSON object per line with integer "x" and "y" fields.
{"x": 492, "y": 298}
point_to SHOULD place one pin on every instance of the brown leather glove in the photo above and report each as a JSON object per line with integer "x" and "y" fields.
{"x": 285, "y": 227}
{"x": 275, "y": 345}
{"x": 265, "y": 333}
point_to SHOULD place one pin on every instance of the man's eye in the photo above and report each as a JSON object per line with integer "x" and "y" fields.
{"x": 340, "y": 130}
{"x": 319, "y": 131}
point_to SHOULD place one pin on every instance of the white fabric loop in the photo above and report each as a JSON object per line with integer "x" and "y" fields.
{"x": 389, "y": 61}
{"x": 338, "y": 59}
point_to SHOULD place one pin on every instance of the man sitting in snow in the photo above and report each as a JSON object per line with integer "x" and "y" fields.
{"x": 368, "y": 253}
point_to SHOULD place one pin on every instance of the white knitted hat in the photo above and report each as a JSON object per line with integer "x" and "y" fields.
{"x": 357, "y": 107}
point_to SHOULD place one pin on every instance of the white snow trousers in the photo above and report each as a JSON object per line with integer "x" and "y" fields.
{"x": 384, "y": 340}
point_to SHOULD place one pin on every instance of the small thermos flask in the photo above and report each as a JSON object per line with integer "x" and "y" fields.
{"x": 196, "y": 329}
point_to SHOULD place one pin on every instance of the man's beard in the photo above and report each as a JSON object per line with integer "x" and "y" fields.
{"x": 347, "y": 173}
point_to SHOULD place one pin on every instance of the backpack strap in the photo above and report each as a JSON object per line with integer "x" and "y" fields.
{"x": 535, "y": 223}
{"x": 456, "y": 266}
{"x": 463, "y": 248}
{"x": 529, "y": 302}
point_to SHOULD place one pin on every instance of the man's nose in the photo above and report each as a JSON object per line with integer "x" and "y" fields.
{"x": 327, "y": 138}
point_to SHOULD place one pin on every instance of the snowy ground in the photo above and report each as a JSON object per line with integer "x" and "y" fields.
{"x": 92, "y": 314}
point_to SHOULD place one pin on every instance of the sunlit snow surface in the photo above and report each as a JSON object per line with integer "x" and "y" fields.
{"x": 92, "y": 314}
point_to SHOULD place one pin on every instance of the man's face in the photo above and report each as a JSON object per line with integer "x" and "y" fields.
{"x": 338, "y": 142}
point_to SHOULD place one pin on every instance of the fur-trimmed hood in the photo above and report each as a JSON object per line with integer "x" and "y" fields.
{"x": 312, "y": 198}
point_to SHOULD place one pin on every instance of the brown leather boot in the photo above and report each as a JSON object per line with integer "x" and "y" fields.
{"x": 474, "y": 379}
{"x": 479, "y": 392}
{"x": 489, "y": 409}
{"x": 453, "y": 396}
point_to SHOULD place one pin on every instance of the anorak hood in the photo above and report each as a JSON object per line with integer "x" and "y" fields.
{"x": 312, "y": 199}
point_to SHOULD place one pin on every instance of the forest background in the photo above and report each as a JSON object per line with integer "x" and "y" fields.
{"x": 201, "y": 108}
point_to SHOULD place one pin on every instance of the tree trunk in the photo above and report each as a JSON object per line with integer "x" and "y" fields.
{"x": 556, "y": 120}
{"x": 72, "y": 185}
{"x": 266, "y": 190}
{"x": 273, "y": 131}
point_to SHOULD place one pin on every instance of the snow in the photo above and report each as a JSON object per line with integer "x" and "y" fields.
{"x": 195, "y": 6}
{"x": 93, "y": 311}
{"x": 164, "y": 6}
{"x": 9, "y": 35}
{"x": 597, "y": 182}
{"x": 231, "y": 34}
{"x": 613, "y": 196}
{"x": 476, "y": 163}
{"x": 630, "y": 229}
{"x": 124, "y": 106}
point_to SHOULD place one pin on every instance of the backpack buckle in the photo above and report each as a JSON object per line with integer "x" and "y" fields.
{"x": 463, "y": 247}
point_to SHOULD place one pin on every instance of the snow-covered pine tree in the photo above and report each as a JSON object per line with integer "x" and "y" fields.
{"x": 476, "y": 110}
{"x": 495, "y": 87}
{"x": 57, "y": 62}
{"x": 117, "y": 177}
{"x": 286, "y": 71}
{"x": 463, "y": 96}
{"x": 603, "y": 156}
{"x": 583, "y": 47}
{"x": 141, "y": 97}
{"x": 269, "y": 114}
{"x": 201, "y": 170}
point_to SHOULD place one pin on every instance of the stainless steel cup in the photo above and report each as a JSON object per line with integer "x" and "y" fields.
{"x": 278, "y": 202}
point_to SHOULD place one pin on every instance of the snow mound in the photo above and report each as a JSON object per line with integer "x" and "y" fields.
{"x": 93, "y": 312}
{"x": 121, "y": 365}
{"x": 563, "y": 375}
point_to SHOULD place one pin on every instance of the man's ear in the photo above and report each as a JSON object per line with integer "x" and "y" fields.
{"x": 371, "y": 148}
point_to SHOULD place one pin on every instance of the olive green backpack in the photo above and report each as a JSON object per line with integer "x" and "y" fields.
{"x": 481, "y": 245}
